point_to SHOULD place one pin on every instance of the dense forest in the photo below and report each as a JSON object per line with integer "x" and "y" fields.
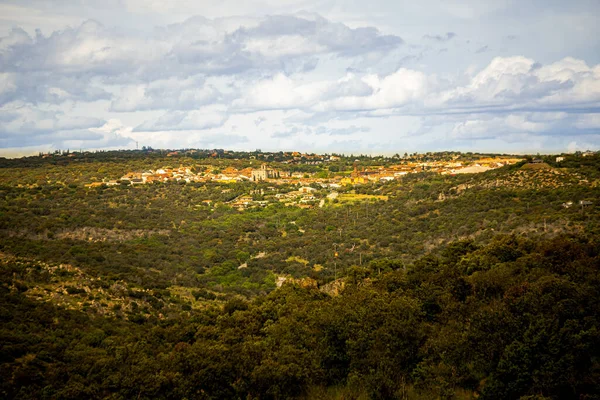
{"x": 428, "y": 286}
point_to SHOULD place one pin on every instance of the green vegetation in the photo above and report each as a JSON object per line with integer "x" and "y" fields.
{"x": 447, "y": 286}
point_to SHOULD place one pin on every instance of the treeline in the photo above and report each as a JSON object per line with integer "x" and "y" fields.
{"x": 517, "y": 318}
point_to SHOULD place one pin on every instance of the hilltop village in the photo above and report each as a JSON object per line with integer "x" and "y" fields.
{"x": 304, "y": 189}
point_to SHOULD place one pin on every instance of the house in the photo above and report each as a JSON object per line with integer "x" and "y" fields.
{"x": 242, "y": 201}
{"x": 559, "y": 159}
{"x": 353, "y": 180}
{"x": 307, "y": 189}
{"x": 307, "y": 198}
{"x": 264, "y": 172}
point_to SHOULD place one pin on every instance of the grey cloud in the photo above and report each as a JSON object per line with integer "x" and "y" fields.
{"x": 288, "y": 133}
{"x": 24, "y": 126}
{"x": 171, "y": 94}
{"x": 482, "y": 49}
{"x": 16, "y": 38}
{"x": 321, "y": 130}
{"x": 41, "y": 87}
{"x": 87, "y": 140}
{"x": 89, "y": 48}
{"x": 72, "y": 63}
{"x": 511, "y": 127}
{"x": 333, "y": 37}
{"x": 441, "y": 38}
{"x": 300, "y": 65}
{"x": 351, "y": 87}
{"x": 29, "y": 121}
{"x": 221, "y": 140}
{"x": 347, "y": 146}
{"x": 521, "y": 89}
{"x": 183, "y": 121}
{"x": 287, "y": 43}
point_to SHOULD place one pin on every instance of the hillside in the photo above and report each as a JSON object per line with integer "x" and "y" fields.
{"x": 168, "y": 290}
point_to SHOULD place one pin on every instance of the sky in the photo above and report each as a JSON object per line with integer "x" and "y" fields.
{"x": 328, "y": 76}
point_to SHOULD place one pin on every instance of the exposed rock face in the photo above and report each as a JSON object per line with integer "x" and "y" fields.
{"x": 303, "y": 283}
{"x": 333, "y": 288}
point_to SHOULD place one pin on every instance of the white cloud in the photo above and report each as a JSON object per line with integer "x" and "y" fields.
{"x": 398, "y": 89}
{"x": 113, "y": 126}
{"x": 512, "y": 83}
{"x": 348, "y": 93}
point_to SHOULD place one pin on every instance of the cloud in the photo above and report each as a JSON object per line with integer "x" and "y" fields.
{"x": 185, "y": 120}
{"x": 113, "y": 127}
{"x": 482, "y": 49}
{"x": 401, "y": 88}
{"x": 20, "y": 121}
{"x": 346, "y": 94}
{"x": 441, "y": 38}
{"x": 510, "y": 84}
{"x": 350, "y": 130}
{"x": 295, "y": 35}
{"x": 220, "y": 141}
{"x": 511, "y": 95}
{"x": 298, "y": 131}
{"x": 89, "y": 48}
{"x": 574, "y": 146}
{"x": 588, "y": 122}
{"x": 283, "y": 92}
{"x": 489, "y": 127}
{"x": 29, "y": 126}
{"x": 42, "y": 87}
{"x": 96, "y": 140}
{"x": 197, "y": 45}
{"x": 171, "y": 94}
{"x": 294, "y": 131}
